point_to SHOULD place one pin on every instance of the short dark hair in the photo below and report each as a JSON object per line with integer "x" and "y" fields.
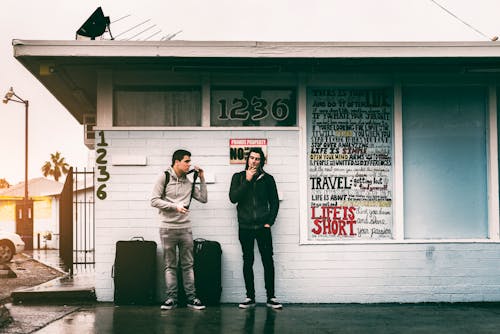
{"x": 260, "y": 152}
{"x": 179, "y": 155}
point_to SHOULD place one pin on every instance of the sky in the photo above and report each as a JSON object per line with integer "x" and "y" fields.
{"x": 52, "y": 128}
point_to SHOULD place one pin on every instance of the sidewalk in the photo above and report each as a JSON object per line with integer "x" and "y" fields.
{"x": 79, "y": 287}
{"x": 94, "y": 317}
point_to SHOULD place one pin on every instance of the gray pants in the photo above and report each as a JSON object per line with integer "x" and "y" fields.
{"x": 171, "y": 239}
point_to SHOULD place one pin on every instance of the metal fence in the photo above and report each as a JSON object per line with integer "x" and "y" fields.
{"x": 77, "y": 221}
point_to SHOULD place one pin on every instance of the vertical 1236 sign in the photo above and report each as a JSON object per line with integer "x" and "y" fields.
{"x": 101, "y": 162}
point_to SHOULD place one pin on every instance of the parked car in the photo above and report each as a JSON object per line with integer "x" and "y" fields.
{"x": 10, "y": 244}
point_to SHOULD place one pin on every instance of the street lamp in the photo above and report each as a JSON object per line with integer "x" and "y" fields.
{"x": 12, "y": 96}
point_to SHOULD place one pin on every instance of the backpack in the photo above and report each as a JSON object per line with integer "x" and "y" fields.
{"x": 167, "y": 180}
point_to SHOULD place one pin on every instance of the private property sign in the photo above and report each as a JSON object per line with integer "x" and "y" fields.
{"x": 238, "y": 149}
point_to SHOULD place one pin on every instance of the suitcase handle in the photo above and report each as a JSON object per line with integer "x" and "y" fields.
{"x": 137, "y": 238}
{"x": 199, "y": 242}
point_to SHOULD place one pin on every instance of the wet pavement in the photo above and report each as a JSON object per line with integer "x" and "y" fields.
{"x": 80, "y": 286}
{"x": 94, "y": 317}
{"x": 324, "y": 318}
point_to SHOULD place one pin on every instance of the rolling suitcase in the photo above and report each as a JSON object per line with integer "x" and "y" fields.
{"x": 134, "y": 272}
{"x": 208, "y": 271}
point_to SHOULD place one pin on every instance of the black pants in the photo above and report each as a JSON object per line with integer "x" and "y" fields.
{"x": 265, "y": 244}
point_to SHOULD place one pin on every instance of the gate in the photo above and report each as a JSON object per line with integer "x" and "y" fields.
{"x": 24, "y": 221}
{"x": 77, "y": 220}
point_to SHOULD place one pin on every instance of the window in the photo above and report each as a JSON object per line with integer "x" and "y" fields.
{"x": 157, "y": 106}
{"x": 444, "y": 162}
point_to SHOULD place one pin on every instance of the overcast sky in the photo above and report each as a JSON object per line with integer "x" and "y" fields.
{"x": 52, "y": 128}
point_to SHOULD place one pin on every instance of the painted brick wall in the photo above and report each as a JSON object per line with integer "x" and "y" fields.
{"x": 364, "y": 273}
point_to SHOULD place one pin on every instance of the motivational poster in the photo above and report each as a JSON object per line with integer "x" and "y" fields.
{"x": 349, "y": 142}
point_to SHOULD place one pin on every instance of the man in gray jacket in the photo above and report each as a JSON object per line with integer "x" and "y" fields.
{"x": 172, "y": 195}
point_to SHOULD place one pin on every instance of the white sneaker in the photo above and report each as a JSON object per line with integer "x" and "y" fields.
{"x": 196, "y": 304}
{"x": 273, "y": 303}
{"x": 248, "y": 303}
{"x": 169, "y": 304}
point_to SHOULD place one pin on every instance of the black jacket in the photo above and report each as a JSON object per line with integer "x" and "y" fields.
{"x": 257, "y": 200}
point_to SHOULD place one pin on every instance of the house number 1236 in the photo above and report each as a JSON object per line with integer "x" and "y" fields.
{"x": 255, "y": 109}
{"x": 101, "y": 163}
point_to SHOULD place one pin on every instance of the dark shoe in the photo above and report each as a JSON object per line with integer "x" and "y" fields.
{"x": 196, "y": 304}
{"x": 273, "y": 303}
{"x": 169, "y": 304}
{"x": 248, "y": 303}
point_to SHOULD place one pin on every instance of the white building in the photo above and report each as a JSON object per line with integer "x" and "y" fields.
{"x": 385, "y": 156}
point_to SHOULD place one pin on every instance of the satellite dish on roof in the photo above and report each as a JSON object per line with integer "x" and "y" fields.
{"x": 95, "y": 25}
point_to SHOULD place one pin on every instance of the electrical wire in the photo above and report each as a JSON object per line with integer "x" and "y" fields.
{"x": 467, "y": 24}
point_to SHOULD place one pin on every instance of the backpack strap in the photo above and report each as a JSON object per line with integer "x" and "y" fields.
{"x": 167, "y": 179}
{"x": 195, "y": 176}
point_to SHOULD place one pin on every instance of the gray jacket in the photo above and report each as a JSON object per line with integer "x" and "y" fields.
{"x": 177, "y": 192}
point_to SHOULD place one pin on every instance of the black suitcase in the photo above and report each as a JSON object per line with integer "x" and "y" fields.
{"x": 134, "y": 272}
{"x": 208, "y": 271}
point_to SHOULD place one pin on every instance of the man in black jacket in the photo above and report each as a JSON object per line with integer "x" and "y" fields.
{"x": 255, "y": 192}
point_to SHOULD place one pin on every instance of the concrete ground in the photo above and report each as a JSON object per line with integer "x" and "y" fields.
{"x": 310, "y": 318}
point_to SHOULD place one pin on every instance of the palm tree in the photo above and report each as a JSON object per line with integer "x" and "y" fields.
{"x": 55, "y": 167}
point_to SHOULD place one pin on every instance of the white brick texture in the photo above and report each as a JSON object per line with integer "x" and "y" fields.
{"x": 342, "y": 273}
